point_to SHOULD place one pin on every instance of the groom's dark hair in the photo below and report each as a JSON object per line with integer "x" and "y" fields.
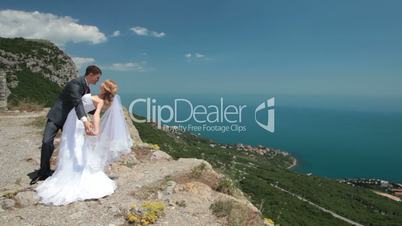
{"x": 92, "y": 69}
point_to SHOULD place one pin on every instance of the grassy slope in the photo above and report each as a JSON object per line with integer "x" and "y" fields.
{"x": 33, "y": 88}
{"x": 255, "y": 174}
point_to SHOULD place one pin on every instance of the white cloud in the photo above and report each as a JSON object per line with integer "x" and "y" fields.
{"x": 199, "y": 55}
{"x": 82, "y": 61}
{"x": 58, "y": 29}
{"x": 116, "y": 33}
{"x": 157, "y": 35}
{"x": 195, "y": 56}
{"x": 128, "y": 66}
{"x": 142, "y": 31}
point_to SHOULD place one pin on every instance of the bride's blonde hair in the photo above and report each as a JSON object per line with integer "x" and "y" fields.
{"x": 110, "y": 89}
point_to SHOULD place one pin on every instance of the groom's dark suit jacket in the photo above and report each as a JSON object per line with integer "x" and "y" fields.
{"x": 69, "y": 98}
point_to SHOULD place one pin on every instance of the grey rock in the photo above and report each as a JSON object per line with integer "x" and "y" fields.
{"x": 7, "y": 203}
{"x": 114, "y": 210}
{"x": 26, "y": 198}
{"x": 166, "y": 193}
{"x": 135, "y": 136}
{"x": 160, "y": 155}
{"x": 170, "y": 187}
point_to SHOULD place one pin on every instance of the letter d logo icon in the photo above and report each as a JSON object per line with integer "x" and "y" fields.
{"x": 268, "y": 105}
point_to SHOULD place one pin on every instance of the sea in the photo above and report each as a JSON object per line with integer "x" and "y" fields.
{"x": 335, "y": 136}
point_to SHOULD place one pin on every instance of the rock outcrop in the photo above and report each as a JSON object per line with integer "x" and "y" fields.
{"x": 3, "y": 92}
{"x": 187, "y": 187}
{"x": 36, "y": 56}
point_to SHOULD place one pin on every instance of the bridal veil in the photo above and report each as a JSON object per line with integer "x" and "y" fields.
{"x": 114, "y": 138}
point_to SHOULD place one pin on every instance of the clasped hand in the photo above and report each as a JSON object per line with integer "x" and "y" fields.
{"x": 89, "y": 130}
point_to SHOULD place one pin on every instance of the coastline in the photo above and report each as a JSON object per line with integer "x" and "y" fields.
{"x": 294, "y": 163}
{"x": 258, "y": 149}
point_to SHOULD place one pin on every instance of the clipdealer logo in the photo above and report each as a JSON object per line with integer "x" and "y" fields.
{"x": 220, "y": 118}
{"x": 269, "y": 107}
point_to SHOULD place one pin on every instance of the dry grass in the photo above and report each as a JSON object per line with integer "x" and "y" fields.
{"x": 227, "y": 186}
{"x": 235, "y": 213}
{"x": 38, "y": 122}
{"x": 25, "y": 105}
{"x": 197, "y": 171}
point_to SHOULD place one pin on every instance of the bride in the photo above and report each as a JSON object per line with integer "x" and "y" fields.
{"x": 79, "y": 173}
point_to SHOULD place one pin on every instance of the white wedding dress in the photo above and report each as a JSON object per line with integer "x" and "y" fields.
{"x": 79, "y": 173}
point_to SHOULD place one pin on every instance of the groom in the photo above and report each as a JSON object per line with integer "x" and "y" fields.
{"x": 69, "y": 98}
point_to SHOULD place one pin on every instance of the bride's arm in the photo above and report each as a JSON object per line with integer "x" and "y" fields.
{"x": 97, "y": 116}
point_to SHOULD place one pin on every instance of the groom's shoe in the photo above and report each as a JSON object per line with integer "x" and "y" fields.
{"x": 38, "y": 178}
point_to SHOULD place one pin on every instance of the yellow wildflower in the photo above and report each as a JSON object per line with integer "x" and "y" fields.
{"x": 269, "y": 221}
{"x": 133, "y": 206}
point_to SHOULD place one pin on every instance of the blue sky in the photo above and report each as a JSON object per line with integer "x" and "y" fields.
{"x": 342, "y": 47}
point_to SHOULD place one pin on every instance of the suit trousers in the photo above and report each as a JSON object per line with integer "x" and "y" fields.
{"x": 49, "y": 134}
